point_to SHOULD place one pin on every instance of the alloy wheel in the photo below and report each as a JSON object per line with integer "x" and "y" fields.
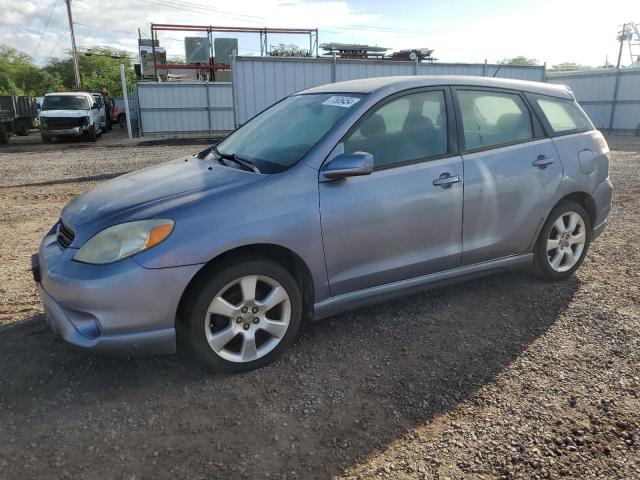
{"x": 566, "y": 241}
{"x": 248, "y": 318}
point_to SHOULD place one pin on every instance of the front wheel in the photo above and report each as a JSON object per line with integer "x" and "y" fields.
{"x": 92, "y": 135}
{"x": 563, "y": 241}
{"x": 4, "y": 135}
{"x": 244, "y": 316}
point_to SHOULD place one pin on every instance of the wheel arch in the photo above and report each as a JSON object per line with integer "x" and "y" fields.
{"x": 284, "y": 256}
{"x": 581, "y": 198}
{"x": 584, "y": 199}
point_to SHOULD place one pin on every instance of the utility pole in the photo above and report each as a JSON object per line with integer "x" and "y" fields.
{"x": 622, "y": 38}
{"x": 76, "y": 71}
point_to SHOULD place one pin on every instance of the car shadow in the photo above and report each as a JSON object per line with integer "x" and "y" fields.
{"x": 351, "y": 385}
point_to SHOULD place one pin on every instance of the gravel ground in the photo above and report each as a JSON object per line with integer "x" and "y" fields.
{"x": 502, "y": 377}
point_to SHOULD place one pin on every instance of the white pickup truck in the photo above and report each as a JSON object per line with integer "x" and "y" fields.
{"x": 70, "y": 114}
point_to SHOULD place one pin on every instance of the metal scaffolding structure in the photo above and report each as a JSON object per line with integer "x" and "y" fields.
{"x": 210, "y": 30}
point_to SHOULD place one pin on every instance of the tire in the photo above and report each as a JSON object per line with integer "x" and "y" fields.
{"x": 4, "y": 135}
{"x": 217, "y": 309}
{"x": 91, "y": 133}
{"x": 109, "y": 125}
{"x": 22, "y": 131}
{"x": 561, "y": 262}
{"x": 45, "y": 138}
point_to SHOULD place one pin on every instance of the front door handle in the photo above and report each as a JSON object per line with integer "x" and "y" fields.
{"x": 446, "y": 180}
{"x": 542, "y": 161}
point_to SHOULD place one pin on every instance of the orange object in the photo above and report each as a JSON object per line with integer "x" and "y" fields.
{"x": 159, "y": 233}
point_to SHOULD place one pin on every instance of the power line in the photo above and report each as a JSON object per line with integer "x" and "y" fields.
{"x": 213, "y": 9}
{"x": 46, "y": 25}
{"x": 98, "y": 28}
{"x": 196, "y": 8}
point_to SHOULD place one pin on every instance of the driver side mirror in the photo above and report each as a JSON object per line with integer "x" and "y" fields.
{"x": 94, "y": 106}
{"x": 348, "y": 165}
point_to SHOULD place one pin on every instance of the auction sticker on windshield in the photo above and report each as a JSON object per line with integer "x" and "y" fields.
{"x": 340, "y": 101}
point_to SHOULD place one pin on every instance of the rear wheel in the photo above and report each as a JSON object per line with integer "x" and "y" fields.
{"x": 45, "y": 138}
{"x": 244, "y": 316}
{"x": 563, "y": 242}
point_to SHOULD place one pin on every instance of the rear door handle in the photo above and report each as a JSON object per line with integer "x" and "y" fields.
{"x": 542, "y": 161}
{"x": 446, "y": 180}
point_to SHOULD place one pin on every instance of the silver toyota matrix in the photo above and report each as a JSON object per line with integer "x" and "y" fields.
{"x": 333, "y": 198}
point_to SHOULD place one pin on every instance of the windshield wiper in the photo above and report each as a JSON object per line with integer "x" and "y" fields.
{"x": 243, "y": 162}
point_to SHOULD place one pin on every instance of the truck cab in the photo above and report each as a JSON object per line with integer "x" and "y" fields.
{"x": 70, "y": 114}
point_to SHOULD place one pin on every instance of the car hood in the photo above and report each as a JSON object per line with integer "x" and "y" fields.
{"x": 132, "y": 195}
{"x": 64, "y": 113}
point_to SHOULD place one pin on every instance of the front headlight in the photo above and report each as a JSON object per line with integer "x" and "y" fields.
{"x": 123, "y": 240}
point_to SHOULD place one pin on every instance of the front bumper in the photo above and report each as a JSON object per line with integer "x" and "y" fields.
{"x": 117, "y": 308}
{"x": 602, "y": 196}
{"x": 64, "y": 132}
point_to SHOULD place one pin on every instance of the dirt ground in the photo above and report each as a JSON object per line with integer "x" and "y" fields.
{"x": 502, "y": 377}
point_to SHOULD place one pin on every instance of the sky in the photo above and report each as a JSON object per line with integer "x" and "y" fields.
{"x": 458, "y": 30}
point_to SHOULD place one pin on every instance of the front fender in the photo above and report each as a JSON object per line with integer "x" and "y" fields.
{"x": 281, "y": 210}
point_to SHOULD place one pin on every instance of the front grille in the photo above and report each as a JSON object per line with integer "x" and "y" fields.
{"x": 65, "y": 236}
{"x": 63, "y": 123}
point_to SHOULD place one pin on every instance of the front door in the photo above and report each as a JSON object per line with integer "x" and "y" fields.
{"x": 404, "y": 219}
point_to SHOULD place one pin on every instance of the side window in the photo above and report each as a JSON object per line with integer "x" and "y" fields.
{"x": 562, "y": 115}
{"x": 412, "y": 127}
{"x": 492, "y": 118}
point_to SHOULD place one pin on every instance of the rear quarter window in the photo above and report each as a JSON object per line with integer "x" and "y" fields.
{"x": 563, "y": 116}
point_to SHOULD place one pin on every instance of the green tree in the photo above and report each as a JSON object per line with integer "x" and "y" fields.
{"x": 99, "y": 68}
{"x": 518, "y": 61}
{"x": 18, "y": 74}
{"x": 177, "y": 59}
{"x": 289, "y": 50}
{"x": 570, "y": 66}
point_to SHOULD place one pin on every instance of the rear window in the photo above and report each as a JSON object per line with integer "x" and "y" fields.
{"x": 562, "y": 115}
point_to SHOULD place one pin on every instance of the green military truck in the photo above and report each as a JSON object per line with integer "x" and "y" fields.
{"x": 17, "y": 115}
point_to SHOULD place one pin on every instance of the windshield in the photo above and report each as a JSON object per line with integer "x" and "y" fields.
{"x": 281, "y": 135}
{"x": 65, "y": 102}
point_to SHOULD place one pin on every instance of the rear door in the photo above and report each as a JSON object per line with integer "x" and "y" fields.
{"x": 511, "y": 173}
{"x": 396, "y": 223}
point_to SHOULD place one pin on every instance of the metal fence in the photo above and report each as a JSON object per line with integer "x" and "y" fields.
{"x": 133, "y": 106}
{"x": 610, "y": 97}
{"x": 259, "y": 82}
{"x": 183, "y": 108}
